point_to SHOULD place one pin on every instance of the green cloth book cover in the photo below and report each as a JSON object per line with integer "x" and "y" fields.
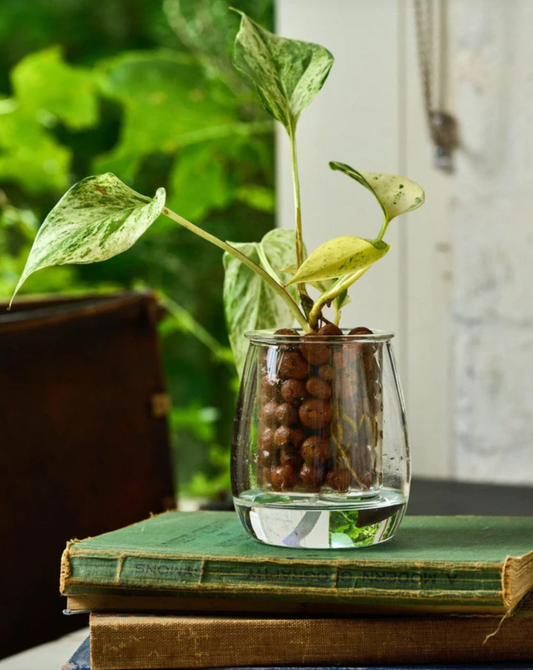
{"x": 443, "y": 563}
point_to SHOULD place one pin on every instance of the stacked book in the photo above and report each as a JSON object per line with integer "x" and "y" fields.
{"x": 191, "y": 590}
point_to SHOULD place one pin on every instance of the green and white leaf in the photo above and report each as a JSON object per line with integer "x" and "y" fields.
{"x": 339, "y": 257}
{"x": 396, "y": 195}
{"x": 98, "y": 218}
{"x": 287, "y": 74}
{"x": 249, "y": 303}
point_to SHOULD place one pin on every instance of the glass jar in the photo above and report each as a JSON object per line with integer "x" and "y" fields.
{"x": 320, "y": 455}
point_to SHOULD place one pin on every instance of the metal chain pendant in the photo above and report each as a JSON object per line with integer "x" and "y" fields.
{"x": 443, "y": 129}
{"x": 442, "y": 126}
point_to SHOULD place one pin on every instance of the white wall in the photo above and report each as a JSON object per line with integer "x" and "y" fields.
{"x": 369, "y": 115}
{"x": 493, "y": 239}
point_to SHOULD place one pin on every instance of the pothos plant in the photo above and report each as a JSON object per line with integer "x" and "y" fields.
{"x": 266, "y": 283}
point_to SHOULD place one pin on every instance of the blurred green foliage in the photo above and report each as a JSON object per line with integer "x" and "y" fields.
{"x": 145, "y": 89}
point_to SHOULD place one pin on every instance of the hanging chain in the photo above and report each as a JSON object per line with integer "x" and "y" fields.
{"x": 442, "y": 126}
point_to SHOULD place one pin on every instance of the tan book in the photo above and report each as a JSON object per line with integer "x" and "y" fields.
{"x": 132, "y": 642}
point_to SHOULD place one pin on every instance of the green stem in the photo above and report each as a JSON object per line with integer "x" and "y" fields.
{"x": 280, "y": 290}
{"x": 337, "y": 317}
{"x": 328, "y": 296}
{"x": 384, "y": 227}
{"x": 298, "y": 217}
{"x": 297, "y": 200}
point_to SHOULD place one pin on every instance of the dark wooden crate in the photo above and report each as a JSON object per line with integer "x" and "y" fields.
{"x": 84, "y": 443}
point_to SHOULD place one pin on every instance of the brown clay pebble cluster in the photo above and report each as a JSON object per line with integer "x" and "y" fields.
{"x": 296, "y": 451}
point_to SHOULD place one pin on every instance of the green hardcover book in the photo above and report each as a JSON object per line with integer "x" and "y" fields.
{"x": 437, "y": 564}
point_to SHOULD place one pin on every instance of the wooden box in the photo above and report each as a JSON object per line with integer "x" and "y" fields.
{"x": 84, "y": 443}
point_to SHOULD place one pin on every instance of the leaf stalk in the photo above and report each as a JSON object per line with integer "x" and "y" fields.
{"x": 384, "y": 227}
{"x": 304, "y": 296}
{"x": 278, "y": 288}
{"x": 328, "y": 296}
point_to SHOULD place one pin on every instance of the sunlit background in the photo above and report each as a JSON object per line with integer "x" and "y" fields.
{"x": 144, "y": 89}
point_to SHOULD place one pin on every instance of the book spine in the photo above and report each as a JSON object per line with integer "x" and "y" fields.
{"x": 136, "y": 642}
{"x": 356, "y": 583}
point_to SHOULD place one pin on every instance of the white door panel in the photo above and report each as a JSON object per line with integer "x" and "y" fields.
{"x": 370, "y": 115}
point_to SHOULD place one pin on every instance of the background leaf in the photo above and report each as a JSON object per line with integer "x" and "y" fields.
{"x": 339, "y": 257}
{"x": 396, "y": 195}
{"x": 30, "y": 155}
{"x": 167, "y": 104}
{"x": 44, "y": 82}
{"x": 46, "y": 91}
{"x": 197, "y": 172}
{"x": 257, "y": 197}
{"x": 98, "y": 218}
{"x": 287, "y": 74}
{"x": 249, "y": 303}
{"x": 199, "y": 34}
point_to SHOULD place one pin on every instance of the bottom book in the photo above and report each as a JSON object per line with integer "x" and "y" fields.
{"x": 81, "y": 660}
{"x": 138, "y": 642}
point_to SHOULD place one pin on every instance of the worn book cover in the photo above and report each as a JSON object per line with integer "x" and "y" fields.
{"x": 472, "y": 564}
{"x": 124, "y": 642}
{"x": 80, "y": 660}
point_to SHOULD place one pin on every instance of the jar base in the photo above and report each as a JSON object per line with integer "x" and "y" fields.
{"x": 283, "y": 520}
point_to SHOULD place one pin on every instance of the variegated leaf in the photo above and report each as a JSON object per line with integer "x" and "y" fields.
{"x": 249, "y": 303}
{"x": 340, "y": 257}
{"x": 98, "y": 218}
{"x": 287, "y": 74}
{"x": 396, "y": 195}
{"x": 319, "y": 285}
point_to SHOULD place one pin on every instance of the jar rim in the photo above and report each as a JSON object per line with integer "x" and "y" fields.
{"x": 270, "y": 337}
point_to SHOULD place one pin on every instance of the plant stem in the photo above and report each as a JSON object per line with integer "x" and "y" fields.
{"x": 298, "y": 218}
{"x": 338, "y": 287}
{"x": 280, "y": 290}
{"x": 384, "y": 227}
{"x": 337, "y": 317}
{"x": 297, "y": 200}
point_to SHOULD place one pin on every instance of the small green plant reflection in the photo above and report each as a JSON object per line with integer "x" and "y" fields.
{"x": 344, "y": 532}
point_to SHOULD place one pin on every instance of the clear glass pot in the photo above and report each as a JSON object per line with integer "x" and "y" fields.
{"x": 320, "y": 455}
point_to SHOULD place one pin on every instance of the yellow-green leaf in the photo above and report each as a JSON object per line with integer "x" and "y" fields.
{"x": 396, "y": 195}
{"x": 340, "y": 257}
{"x": 321, "y": 286}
